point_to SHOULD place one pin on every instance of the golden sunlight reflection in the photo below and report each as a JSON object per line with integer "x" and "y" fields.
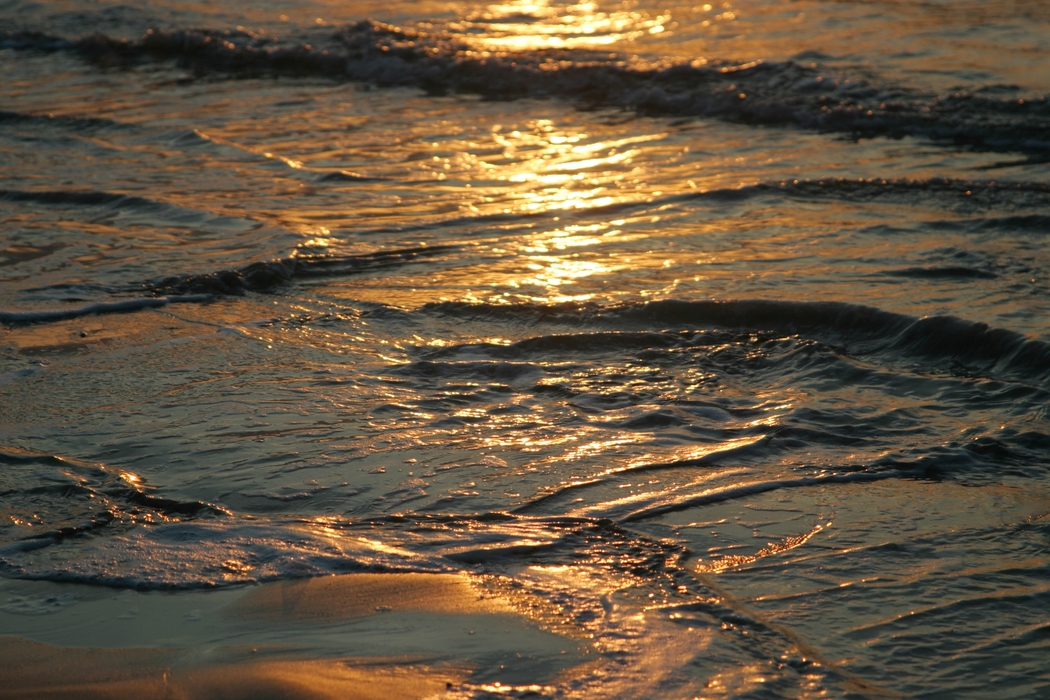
{"x": 569, "y": 237}
{"x": 554, "y": 272}
{"x": 566, "y": 199}
{"x": 561, "y": 170}
{"x": 564, "y": 169}
{"x": 530, "y": 25}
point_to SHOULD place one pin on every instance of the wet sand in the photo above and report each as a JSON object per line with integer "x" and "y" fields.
{"x": 353, "y": 636}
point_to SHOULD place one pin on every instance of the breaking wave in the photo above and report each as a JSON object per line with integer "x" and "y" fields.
{"x": 789, "y": 93}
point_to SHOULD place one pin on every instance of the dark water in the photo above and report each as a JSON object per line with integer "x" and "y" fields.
{"x": 724, "y": 330}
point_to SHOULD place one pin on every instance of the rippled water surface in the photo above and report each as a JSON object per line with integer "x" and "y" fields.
{"x": 723, "y": 329}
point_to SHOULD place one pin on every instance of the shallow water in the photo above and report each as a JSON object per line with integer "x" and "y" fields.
{"x": 722, "y": 330}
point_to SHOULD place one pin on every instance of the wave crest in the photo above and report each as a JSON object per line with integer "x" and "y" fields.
{"x": 783, "y": 93}
{"x": 947, "y": 343}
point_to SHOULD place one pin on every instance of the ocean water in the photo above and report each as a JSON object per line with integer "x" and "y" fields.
{"x": 723, "y": 329}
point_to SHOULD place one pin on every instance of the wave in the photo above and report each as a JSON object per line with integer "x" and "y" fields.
{"x": 134, "y": 208}
{"x": 346, "y": 176}
{"x": 1009, "y": 197}
{"x": 71, "y": 499}
{"x": 942, "y": 272}
{"x": 77, "y": 123}
{"x": 701, "y": 457}
{"x": 187, "y": 140}
{"x": 191, "y": 552}
{"x": 255, "y": 277}
{"x": 947, "y": 343}
{"x": 649, "y": 506}
{"x": 210, "y": 554}
{"x": 1038, "y": 224}
{"x": 267, "y": 276}
{"x": 781, "y": 93}
{"x": 112, "y": 307}
{"x": 942, "y": 193}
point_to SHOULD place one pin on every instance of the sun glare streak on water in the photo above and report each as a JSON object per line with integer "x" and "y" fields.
{"x": 528, "y": 25}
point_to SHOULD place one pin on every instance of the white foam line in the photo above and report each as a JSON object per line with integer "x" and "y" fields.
{"x": 99, "y": 308}
{"x": 731, "y": 492}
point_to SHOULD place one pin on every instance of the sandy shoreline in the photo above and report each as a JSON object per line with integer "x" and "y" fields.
{"x": 357, "y": 636}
